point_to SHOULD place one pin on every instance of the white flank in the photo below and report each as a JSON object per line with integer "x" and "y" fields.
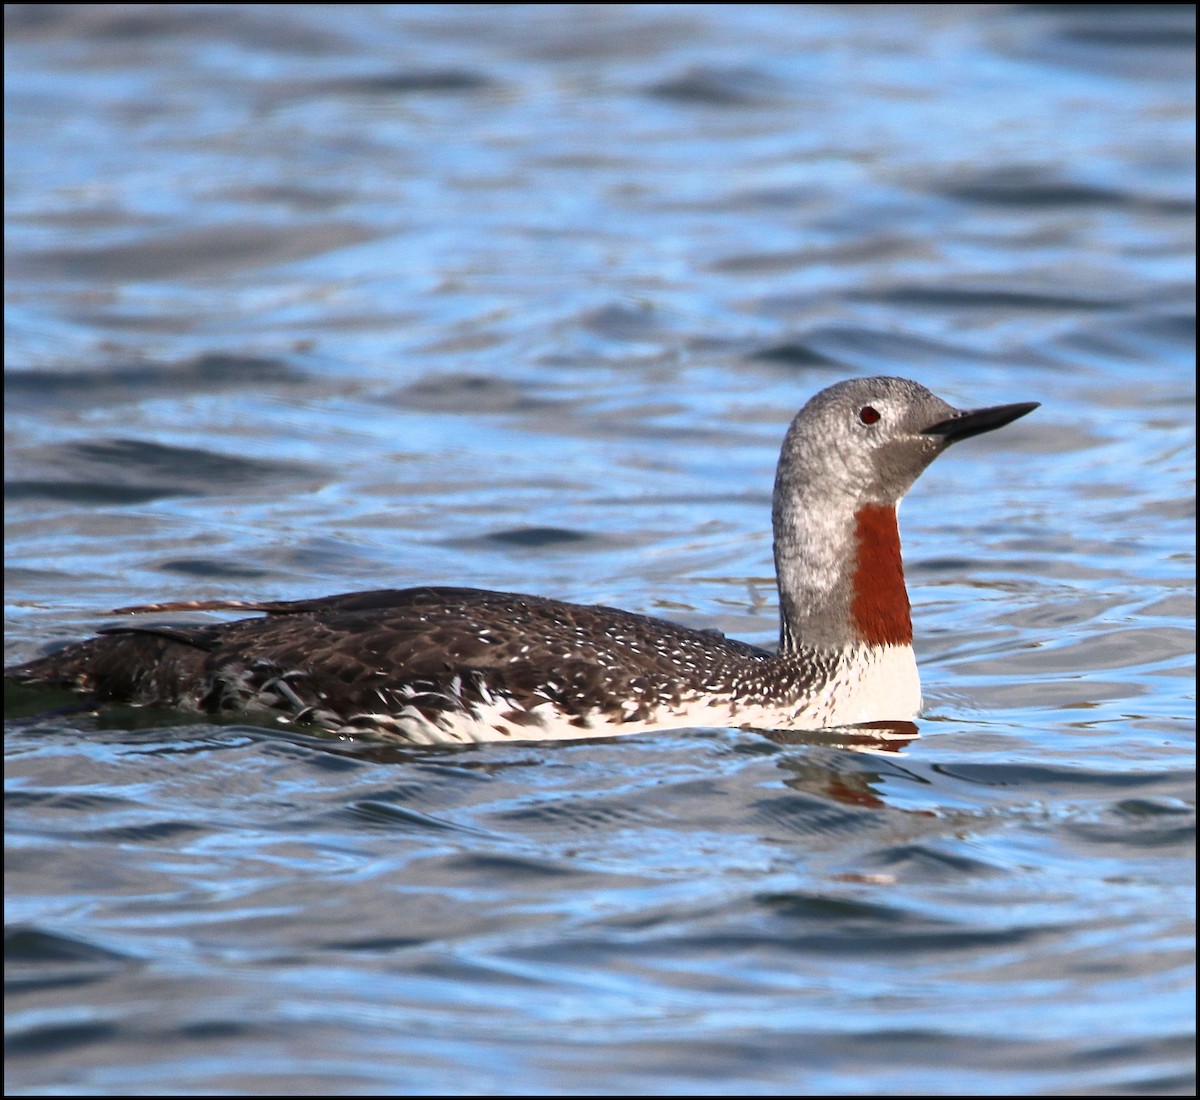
{"x": 870, "y": 684}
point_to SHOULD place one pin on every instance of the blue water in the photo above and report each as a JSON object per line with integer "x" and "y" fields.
{"x": 322, "y": 298}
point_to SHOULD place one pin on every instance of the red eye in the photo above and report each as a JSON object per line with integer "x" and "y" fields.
{"x": 868, "y": 415}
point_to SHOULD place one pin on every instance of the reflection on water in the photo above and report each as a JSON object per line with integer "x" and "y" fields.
{"x": 867, "y": 737}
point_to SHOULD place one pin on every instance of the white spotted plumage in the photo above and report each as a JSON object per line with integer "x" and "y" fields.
{"x": 454, "y": 665}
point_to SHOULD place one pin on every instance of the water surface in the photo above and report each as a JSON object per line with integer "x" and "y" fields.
{"x": 333, "y": 298}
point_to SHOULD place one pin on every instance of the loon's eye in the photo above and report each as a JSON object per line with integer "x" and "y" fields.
{"x": 868, "y": 415}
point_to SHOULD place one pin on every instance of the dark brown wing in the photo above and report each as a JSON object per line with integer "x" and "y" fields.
{"x": 430, "y": 649}
{"x": 448, "y": 649}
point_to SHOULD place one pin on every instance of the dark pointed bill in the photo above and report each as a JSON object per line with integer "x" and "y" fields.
{"x": 976, "y": 421}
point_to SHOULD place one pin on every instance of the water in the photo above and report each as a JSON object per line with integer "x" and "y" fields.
{"x": 321, "y": 299}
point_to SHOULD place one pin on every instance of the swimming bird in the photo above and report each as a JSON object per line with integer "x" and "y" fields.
{"x": 438, "y": 665}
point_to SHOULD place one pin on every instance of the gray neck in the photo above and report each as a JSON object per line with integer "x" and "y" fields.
{"x": 814, "y": 562}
